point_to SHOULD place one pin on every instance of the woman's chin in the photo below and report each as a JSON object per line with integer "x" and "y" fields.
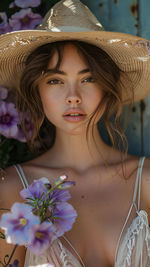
{"x": 77, "y": 130}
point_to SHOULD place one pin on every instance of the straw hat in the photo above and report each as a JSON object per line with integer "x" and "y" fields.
{"x": 71, "y": 20}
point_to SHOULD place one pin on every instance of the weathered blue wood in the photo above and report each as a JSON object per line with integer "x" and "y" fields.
{"x": 133, "y": 17}
{"x": 144, "y": 19}
{"x": 138, "y": 129}
{"x": 146, "y": 127}
{"x": 115, "y": 15}
{"x": 131, "y": 118}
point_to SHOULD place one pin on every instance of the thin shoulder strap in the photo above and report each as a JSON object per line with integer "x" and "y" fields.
{"x": 138, "y": 183}
{"x": 21, "y": 175}
{"x": 74, "y": 250}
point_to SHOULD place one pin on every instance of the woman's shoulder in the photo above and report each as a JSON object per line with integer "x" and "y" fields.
{"x": 39, "y": 167}
{"x": 145, "y": 175}
{"x": 131, "y": 165}
{"x": 11, "y": 184}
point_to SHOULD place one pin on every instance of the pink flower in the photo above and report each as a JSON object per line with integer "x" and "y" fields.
{"x": 27, "y": 3}
{"x": 24, "y": 19}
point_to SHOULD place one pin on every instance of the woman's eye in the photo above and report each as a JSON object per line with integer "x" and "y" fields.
{"x": 54, "y": 81}
{"x": 89, "y": 80}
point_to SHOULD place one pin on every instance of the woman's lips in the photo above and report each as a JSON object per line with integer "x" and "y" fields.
{"x": 74, "y": 118}
{"x": 74, "y": 115}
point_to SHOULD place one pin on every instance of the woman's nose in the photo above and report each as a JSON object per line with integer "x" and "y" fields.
{"x": 74, "y": 99}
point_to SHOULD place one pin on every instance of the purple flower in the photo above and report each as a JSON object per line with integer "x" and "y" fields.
{"x": 29, "y": 129}
{"x": 3, "y": 93}
{"x": 44, "y": 180}
{"x": 27, "y": 3}
{"x": 4, "y": 26}
{"x": 14, "y": 264}
{"x": 59, "y": 195}
{"x": 8, "y": 119}
{"x": 36, "y": 190}
{"x": 12, "y": 5}
{"x": 66, "y": 185}
{"x": 24, "y": 19}
{"x": 18, "y": 223}
{"x": 60, "y": 179}
{"x": 43, "y": 236}
{"x": 66, "y": 215}
{"x": 62, "y": 184}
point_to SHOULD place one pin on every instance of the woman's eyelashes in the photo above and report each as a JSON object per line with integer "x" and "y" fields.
{"x": 56, "y": 81}
{"x": 89, "y": 80}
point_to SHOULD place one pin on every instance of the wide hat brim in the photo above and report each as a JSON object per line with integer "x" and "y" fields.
{"x": 130, "y": 53}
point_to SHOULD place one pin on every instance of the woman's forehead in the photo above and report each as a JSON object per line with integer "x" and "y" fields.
{"x": 70, "y": 54}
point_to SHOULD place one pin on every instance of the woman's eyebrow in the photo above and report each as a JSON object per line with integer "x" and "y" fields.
{"x": 54, "y": 71}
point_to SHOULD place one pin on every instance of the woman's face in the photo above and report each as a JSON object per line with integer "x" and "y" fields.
{"x": 69, "y": 96}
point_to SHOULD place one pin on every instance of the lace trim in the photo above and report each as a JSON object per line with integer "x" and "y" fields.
{"x": 147, "y": 237}
{"x": 63, "y": 255}
{"x": 140, "y": 221}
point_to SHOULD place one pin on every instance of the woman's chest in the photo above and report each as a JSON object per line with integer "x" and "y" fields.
{"x": 102, "y": 202}
{"x": 101, "y": 215}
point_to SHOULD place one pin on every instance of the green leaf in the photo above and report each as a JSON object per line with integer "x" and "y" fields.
{"x": 2, "y": 235}
{"x": 5, "y": 258}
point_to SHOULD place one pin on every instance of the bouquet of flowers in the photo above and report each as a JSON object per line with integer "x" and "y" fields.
{"x": 16, "y": 15}
{"x": 43, "y": 217}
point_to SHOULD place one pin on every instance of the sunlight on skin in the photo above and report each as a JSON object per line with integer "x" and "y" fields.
{"x": 72, "y": 88}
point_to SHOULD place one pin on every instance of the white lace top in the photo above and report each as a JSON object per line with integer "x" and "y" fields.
{"x": 133, "y": 248}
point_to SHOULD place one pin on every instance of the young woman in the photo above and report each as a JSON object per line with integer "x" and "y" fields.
{"x": 71, "y": 80}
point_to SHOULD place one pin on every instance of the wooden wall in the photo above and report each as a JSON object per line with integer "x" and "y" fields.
{"x": 131, "y": 17}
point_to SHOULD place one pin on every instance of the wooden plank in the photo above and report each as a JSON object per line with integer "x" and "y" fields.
{"x": 131, "y": 17}
{"x": 144, "y": 19}
{"x": 146, "y": 127}
{"x": 131, "y": 121}
{"x": 115, "y": 15}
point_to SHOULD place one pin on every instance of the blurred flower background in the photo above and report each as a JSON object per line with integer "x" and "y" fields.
{"x": 17, "y": 15}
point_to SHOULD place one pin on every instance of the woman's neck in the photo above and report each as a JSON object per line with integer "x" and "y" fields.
{"x": 76, "y": 152}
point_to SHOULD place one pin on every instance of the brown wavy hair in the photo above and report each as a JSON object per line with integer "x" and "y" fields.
{"x": 103, "y": 69}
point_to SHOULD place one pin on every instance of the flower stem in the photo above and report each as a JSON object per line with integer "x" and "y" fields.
{"x": 13, "y": 251}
